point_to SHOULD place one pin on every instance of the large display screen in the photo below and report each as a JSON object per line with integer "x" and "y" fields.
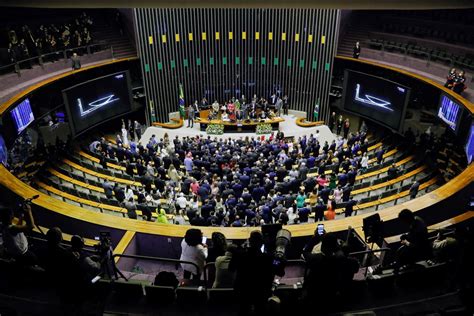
{"x": 449, "y": 112}
{"x": 98, "y": 100}
{"x": 470, "y": 145}
{"x": 375, "y": 98}
{"x": 22, "y": 115}
{"x": 3, "y": 151}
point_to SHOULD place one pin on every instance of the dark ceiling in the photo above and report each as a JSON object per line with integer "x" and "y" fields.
{"x": 335, "y": 4}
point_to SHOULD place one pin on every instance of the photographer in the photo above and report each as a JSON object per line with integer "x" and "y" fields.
{"x": 415, "y": 243}
{"x": 14, "y": 239}
{"x": 254, "y": 274}
{"x": 330, "y": 273}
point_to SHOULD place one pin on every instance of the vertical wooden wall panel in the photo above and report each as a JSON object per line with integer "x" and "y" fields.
{"x": 222, "y": 68}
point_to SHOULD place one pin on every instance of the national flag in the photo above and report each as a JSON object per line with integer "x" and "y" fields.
{"x": 181, "y": 100}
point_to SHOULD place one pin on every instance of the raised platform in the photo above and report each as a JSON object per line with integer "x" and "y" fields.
{"x": 287, "y": 125}
{"x": 241, "y": 126}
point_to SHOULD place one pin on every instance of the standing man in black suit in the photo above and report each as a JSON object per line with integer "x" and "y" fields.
{"x": 332, "y": 121}
{"x": 285, "y": 105}
{"x": 356, "y": 52}
{"x": 76, "y": 62}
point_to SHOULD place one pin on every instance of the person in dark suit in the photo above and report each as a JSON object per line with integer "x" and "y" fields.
{"x": 324, "y": 194}
{"x": 415, "y": 243}
{"x": 351, "y": 176}
{"x": 379, "y": 155}
{"x": 75, "y": 62}
{"x": 332, "y": 121}
{"x": 254, "y": 275}
{"x": 346, "y": 193}
{"x": 392, "y": 172}
{"x": 350, "y": 207}
{"x": 285, "y": 105}
{"x": 340, "y": 123}
{"x": 356, "y": 51}
{"x": 119, "y": 193}
{"x": 108, "y": 189}
{"x": 414, "y": 189}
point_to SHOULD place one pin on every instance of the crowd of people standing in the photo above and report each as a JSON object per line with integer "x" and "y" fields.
{"x": 27, "y": 42}
{"x": 239, "y": 182}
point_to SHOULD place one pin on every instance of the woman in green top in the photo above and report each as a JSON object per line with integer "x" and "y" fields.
{"x": 332, "y": 181}
{"x": 300, "y": 200}
{"x": 161, "y": 218}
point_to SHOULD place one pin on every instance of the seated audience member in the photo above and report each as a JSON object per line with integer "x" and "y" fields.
{"x": 108, "y": 189}
{"x": 193, "y": 250}
{"x": 61, "y": 267}
{"x": 13, "y": 235}
{"x": 119, "y": 193}
{"x": 414, "y": 189}
{"x": 445, "y": 248}
{"x": 224, "y": 277}
{"x": 89, "y": 266}
{"x": 254, "y": 275}
{"x": 131, "y": 208}
{"x": 330, "y": 273}
{"x": 415, "y": 244}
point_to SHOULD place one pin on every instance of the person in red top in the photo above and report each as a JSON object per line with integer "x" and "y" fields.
{"x": 194, "y": 186}
{"x": 330, "y": 213}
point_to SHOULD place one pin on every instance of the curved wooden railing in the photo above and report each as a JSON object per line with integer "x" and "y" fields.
{"x": 302, "y": 122}
{"x": 177, "y": 123}
{"x": 75, "y": 212}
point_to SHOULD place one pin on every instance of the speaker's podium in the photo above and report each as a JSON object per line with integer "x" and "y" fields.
{"x": 237, "y": 126}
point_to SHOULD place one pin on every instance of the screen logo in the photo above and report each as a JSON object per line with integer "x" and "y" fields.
{"x": 95, "y": 105}
{"x": 371, "y": 100}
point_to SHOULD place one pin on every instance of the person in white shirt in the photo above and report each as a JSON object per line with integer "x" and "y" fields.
{"x": 195, "y": 251}
{"x": 13, "y": 235}
{"x": 128, "y": 193}
{"x": 364, "y": 162}
{"x": 181, "y": 201}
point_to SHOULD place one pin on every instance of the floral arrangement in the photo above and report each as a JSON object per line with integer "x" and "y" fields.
{"x": 264, "y": 128}
{"x": 215, "y": 129}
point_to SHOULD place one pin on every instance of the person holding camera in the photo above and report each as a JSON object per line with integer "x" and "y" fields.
{"x": 330, "y": 272}
{"x": 254, "y": 273}
{"x": 13, "y": 234}
{"x": 415, "y": 244}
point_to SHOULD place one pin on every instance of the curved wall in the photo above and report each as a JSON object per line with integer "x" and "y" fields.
{"x": 440, "y": 204}
{"x": 224, "y": 53}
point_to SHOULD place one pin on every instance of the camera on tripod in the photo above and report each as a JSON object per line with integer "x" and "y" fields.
{"x": 105, "y": 243}
{"x": 276, "y": 241}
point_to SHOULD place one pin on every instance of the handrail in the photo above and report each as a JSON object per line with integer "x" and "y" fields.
{"x": 114, "y": 256}
{"x": 63, "y": 51}
{"x": 74, "y": 212}
{"x": 364, "y": 252}
{"x": 405, "y": 51}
